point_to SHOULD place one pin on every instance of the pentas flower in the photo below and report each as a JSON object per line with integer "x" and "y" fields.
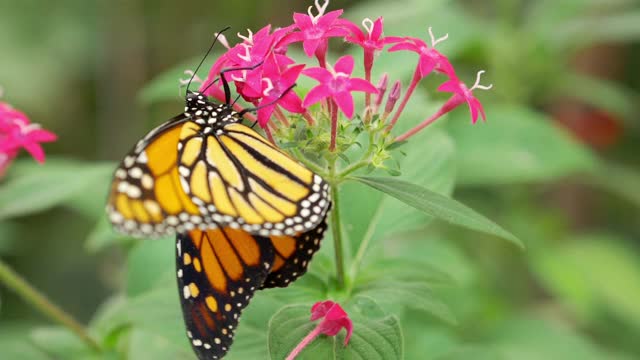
{"x": 334, "y": 319}
{"x": 264, "y": 74}
{"x": 276, "y": 85}
{"x": 314, "y": 31}
{"x": 16, "y": 132}
{"x": 461, "y": 93}
{"x": 430, "y": 59}
{"x": 337, "y": 84}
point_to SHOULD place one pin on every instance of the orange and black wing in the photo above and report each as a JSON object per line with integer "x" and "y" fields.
{"x": 244, "y": 181}
{"x": 292, "y": 255}
{"x": 218, "y": 272}
{"x": 146, "y": 197}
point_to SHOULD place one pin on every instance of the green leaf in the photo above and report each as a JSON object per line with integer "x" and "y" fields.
{"x": 103, "y": 235}
{"x": 150, "y": 261}
{"x": 39, "y": 188}
{"x": 521, "y": 338}
{"x": 147, "y": 345}
{"x": 593, "y": 273}
{"x": 60, "y": 342}
{"x": 619, "y": 180}
{"x": 430, "y": 163}
{"x": 393, "y": 293}
{"x": 515, "y": 145}
{"x": 437, "y": 205}
{"x": 375, "y": 335}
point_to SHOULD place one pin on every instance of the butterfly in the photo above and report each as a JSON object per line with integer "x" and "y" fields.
{"x": 245, "y": 214}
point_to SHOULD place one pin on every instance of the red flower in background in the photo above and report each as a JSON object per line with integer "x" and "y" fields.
{"x": 16, "y": 132}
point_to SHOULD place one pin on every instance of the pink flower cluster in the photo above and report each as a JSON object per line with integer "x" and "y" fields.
{"x": 264, "y": 72}
{"x": 16, "y": 132}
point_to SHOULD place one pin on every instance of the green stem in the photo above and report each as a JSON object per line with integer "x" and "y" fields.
{"x": 336, "y": 228}
{"x": 311, "y": 165}
{"x": 16, "y": 283}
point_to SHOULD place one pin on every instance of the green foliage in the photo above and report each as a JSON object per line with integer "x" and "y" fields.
{"x": 517, "y": 146}
{"x": 375, "y": 335}
{"x": 437, "y": 205}
{"x": 416, "y": 288}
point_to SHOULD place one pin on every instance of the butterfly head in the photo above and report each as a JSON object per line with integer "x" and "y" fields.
{"x": 207, "y": 113}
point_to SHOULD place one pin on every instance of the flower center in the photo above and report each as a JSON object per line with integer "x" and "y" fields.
{"x": 338, "y": 83}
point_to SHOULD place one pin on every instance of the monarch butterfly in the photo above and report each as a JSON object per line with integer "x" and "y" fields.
{"x": 246, "y": 215}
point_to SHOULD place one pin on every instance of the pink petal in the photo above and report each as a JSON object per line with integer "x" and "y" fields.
{"x": 35, "y": 150}
{"x": 427, "y": 65}
{"x": 452, "y": 85}
{"x": 377, "y": 28}
{"x": 264, "y": 115}
{"x": 316, "y": 94}
{"x": 292, "y": 74}
{"x": 404, "y": 46}
{"x": 344, "y": 65}
{"x": 40, "y": 135}
{"x": 345, "y": 103}
{"x": 318, "y": 73}
{"x": 292, "y": 103}
{"x": 476, "y": 107}
{"x": 320, "y": 309}
{"x": 327, "y": 19}
{"x": 310, "y": 46}
{"x": 302, "y": 21}
{"x": 335, "y": 32}
{"x": 357, "y": 84}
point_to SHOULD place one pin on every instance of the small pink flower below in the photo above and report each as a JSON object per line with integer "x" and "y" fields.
{"x": 334, "y": 319}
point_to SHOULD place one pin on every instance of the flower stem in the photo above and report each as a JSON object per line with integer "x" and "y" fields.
{"x": 334, "y": 125}
{"x": 28, "y": 293}
{"x": 336, "y": 230}
{"x": 422, "y": 125}
{"x": 306, "y": 341}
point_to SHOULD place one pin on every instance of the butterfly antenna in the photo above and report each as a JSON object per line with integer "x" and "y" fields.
{"x": 241, "y": 113}
{"x": 225, "y": 83}
{"x": 207, "y": 54}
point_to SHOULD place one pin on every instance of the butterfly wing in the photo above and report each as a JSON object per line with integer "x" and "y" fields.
{"x": 292, "y": 255}
{"x": 245, "y": 182}
{"x": 218, "y": 272}
{"x": 146, "y": 198}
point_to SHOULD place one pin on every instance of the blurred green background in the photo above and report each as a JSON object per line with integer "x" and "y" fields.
{"x": 556, "y": 163}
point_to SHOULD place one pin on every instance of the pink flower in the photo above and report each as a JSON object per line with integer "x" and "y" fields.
{"x": 275, "y": 83}
{"x": 337, "y": 85}
{"x": 314, "y": 31}
{"x": 430, "y": 58}
{"x": 463, "y": 94}
{"x": 17, "y": 132}
{"x": 334, "y": 319}
{"x": 372, "y": 41}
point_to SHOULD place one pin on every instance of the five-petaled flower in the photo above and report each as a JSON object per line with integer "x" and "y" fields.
{"x": 461, "y": 93}
{"x": 334, "y": 319}
{"x": 16, "y": 132}
{"x": 337, "y": 85}
{"x": 314, "y": 31}
{"x": 430, "y": 58}
{"x": 277, "y": 84}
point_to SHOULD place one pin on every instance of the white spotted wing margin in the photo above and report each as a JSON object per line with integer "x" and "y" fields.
{"x": 213, "y": 290}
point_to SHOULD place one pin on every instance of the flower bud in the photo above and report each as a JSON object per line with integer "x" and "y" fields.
{"x": 394, "y": 95}
{"x": 382, "y": 89}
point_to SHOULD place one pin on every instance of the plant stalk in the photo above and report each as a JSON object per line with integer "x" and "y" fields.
{"x": 28, "y": 293}
{"x": 336, "y": 229}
